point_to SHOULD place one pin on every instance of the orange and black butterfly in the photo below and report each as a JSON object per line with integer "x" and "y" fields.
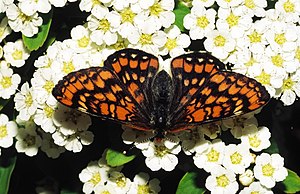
{"x": 131, "y": 90}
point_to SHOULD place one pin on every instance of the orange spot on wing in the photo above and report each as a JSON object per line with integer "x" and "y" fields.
{"x": 209, "y": 67}
{"x": 65, "y": 101}
{"x": 192, "y": 91}
{"x": 110, "y": 96}
{"x": 121, "y": 113}
{"x": 133, "y": 64}
{"x": 198, "y": 68}
{"x": 154, "y": 63}
{"x": 223, "y": 86}
{"x": 233, "y": 89}
{"x": 134, "y": 76}
{"x": 221, "y": 100}
{"x": 116, "y": 67}
{"x": 177, "y": 63}
{"x": 133, "y": 87}
{"x": 105, "y": 75}
{"x": 217, "y": 78}
{"x": 187, "y": 67}
{"x": 99, "y": 96}
{"x": 104, "y": 109}
{"x": 123, "y": 61}
{"x": 217, "y": 111}
{"x": 244, "y": 90}
{"x": 199, "y": 115}
{"x": 143, "y": 65}
{"x": 210, "y": 99}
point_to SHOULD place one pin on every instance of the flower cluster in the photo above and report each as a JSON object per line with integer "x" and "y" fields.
{"x": 262, "y": 44}
{"x": 229, "y": 165}
{"x": 98, "y": 177}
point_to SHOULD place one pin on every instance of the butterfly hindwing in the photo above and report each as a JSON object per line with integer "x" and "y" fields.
{"x": 213, "y": 93}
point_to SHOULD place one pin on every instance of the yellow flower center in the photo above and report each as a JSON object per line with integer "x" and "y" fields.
{"x": 264, "y": 78}
{"x": 104, "y": 25}
{"x": 28, "y": 100}
{"x": 213, "y": 155}
{"x": 277, "y": 60}
{"x": 219, "y": 40}
{"x": 145, "y": 39}
{"x": 250, "y": 62}
{"x": 160, "y": 151}
{"x": 96, "y": 178}
{"x": 236, "y": 158}
{"x": 6, "y": 82}
{"x": 171, "y": 44}
{"x": 127, "y": 15}
{"x": 280, "y": 39}
{"x": 268, "y": 170}
{"x": 254, "y": 141}
{"x": 288, "y": 7}
{"x": 250, "y": 4}
{"x": 297, "y": 53}
{"x": 143, "y": 189}
{"x": 68, "y": 67}
{"x": 121, "y": 181}
{"x": 288, "y": 84}
{"x": 96, "y": 2}
{"x": 83, "y": 42}
{"x": 254, "y": 37}
{"x": 255, "y": 192}
{"x": 3, "y": 131}
{"x": 202, "y": 21}
{"x": 48, "y": 86}
{"x": 48, "y": 111}
{"x": 222, "y": 181}
{"x": 17, "y": 55}
{"x": 155, "y": 9}
{"x": 232, "y": 20}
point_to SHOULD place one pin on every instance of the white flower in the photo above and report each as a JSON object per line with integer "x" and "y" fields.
{"x": 176, "y": 42}
{"x": 161, "y": 12}
{"x": 254, "y": 7}
{"x": 237, "y": 124}
{"x": 148, "y": 42}
{"x": 81, "y": 37}
{"x": 282, "y": 36}
{"x": 25, "y": 102}
{"x": 28, "y": 141}
{"x": 233, "y": 21}
{"x": 88, "y": 5}
{"x": 246, "y": 178}
{"x": 142, "y": 183}
{"x": 120, "y": 182}
{"x": 219, "y": 43}
{"x": 103, "y": 189}
{"x": 8, "y": 130}
{"x": 30, "y": 7}
{"x": 256, "y": 138}
{"x": 221, "y": 180}
{"x": 58, "y": 3}
{"x": 158, "y": 155}
{"x": 228, "y": 4}
{"x": 28, "y": 25}
{"x": 256, "y": 187}
{"x": 43, "y": 82}
{"x": 289, "y": 10}
{"x": 104, "y": 25}
{"x": 4, "y": 28}
{"x": 44, "y": 116}
{"x": 269, "y": 169}
{"x": 254, "y": 38}
{"x": 237, "y": 158}
{"x": 50, "y": 148}
{"x": 210, "y": 156}
{"x": 92, "y": 176}
{"x": 127, "y": 26}
{"x": 199, "y": 22}
{"x": 8, "y": 81}
{"x": 290, "y": 88}
{"x": 15, "y": 53}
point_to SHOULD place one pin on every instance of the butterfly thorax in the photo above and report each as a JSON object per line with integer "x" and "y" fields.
{"x": 162, "y": 90}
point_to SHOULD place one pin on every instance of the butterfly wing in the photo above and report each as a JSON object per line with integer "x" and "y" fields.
{"x": 206, "y": 92}
{"x": 117, "y": 91}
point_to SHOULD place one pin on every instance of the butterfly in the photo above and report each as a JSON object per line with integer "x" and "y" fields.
{"x": 132, "y": 90}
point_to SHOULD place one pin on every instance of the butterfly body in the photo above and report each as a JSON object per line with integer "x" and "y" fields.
{"x": 131, "y": 90}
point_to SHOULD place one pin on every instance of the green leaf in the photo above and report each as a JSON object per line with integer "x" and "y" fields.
{"x": 187, "y": 184}
{"x": 273, "y": 149}
{"x": 37, "y": 41}
{"x": 7, "y": 166}
{"x": 115, "y": 158}
{"x": 291, "y": 183}
{"x": 180, "y": 11}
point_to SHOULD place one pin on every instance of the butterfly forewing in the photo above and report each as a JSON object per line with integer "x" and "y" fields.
{"x": 117, "y": 91}
{"x": 210, "y": 93}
